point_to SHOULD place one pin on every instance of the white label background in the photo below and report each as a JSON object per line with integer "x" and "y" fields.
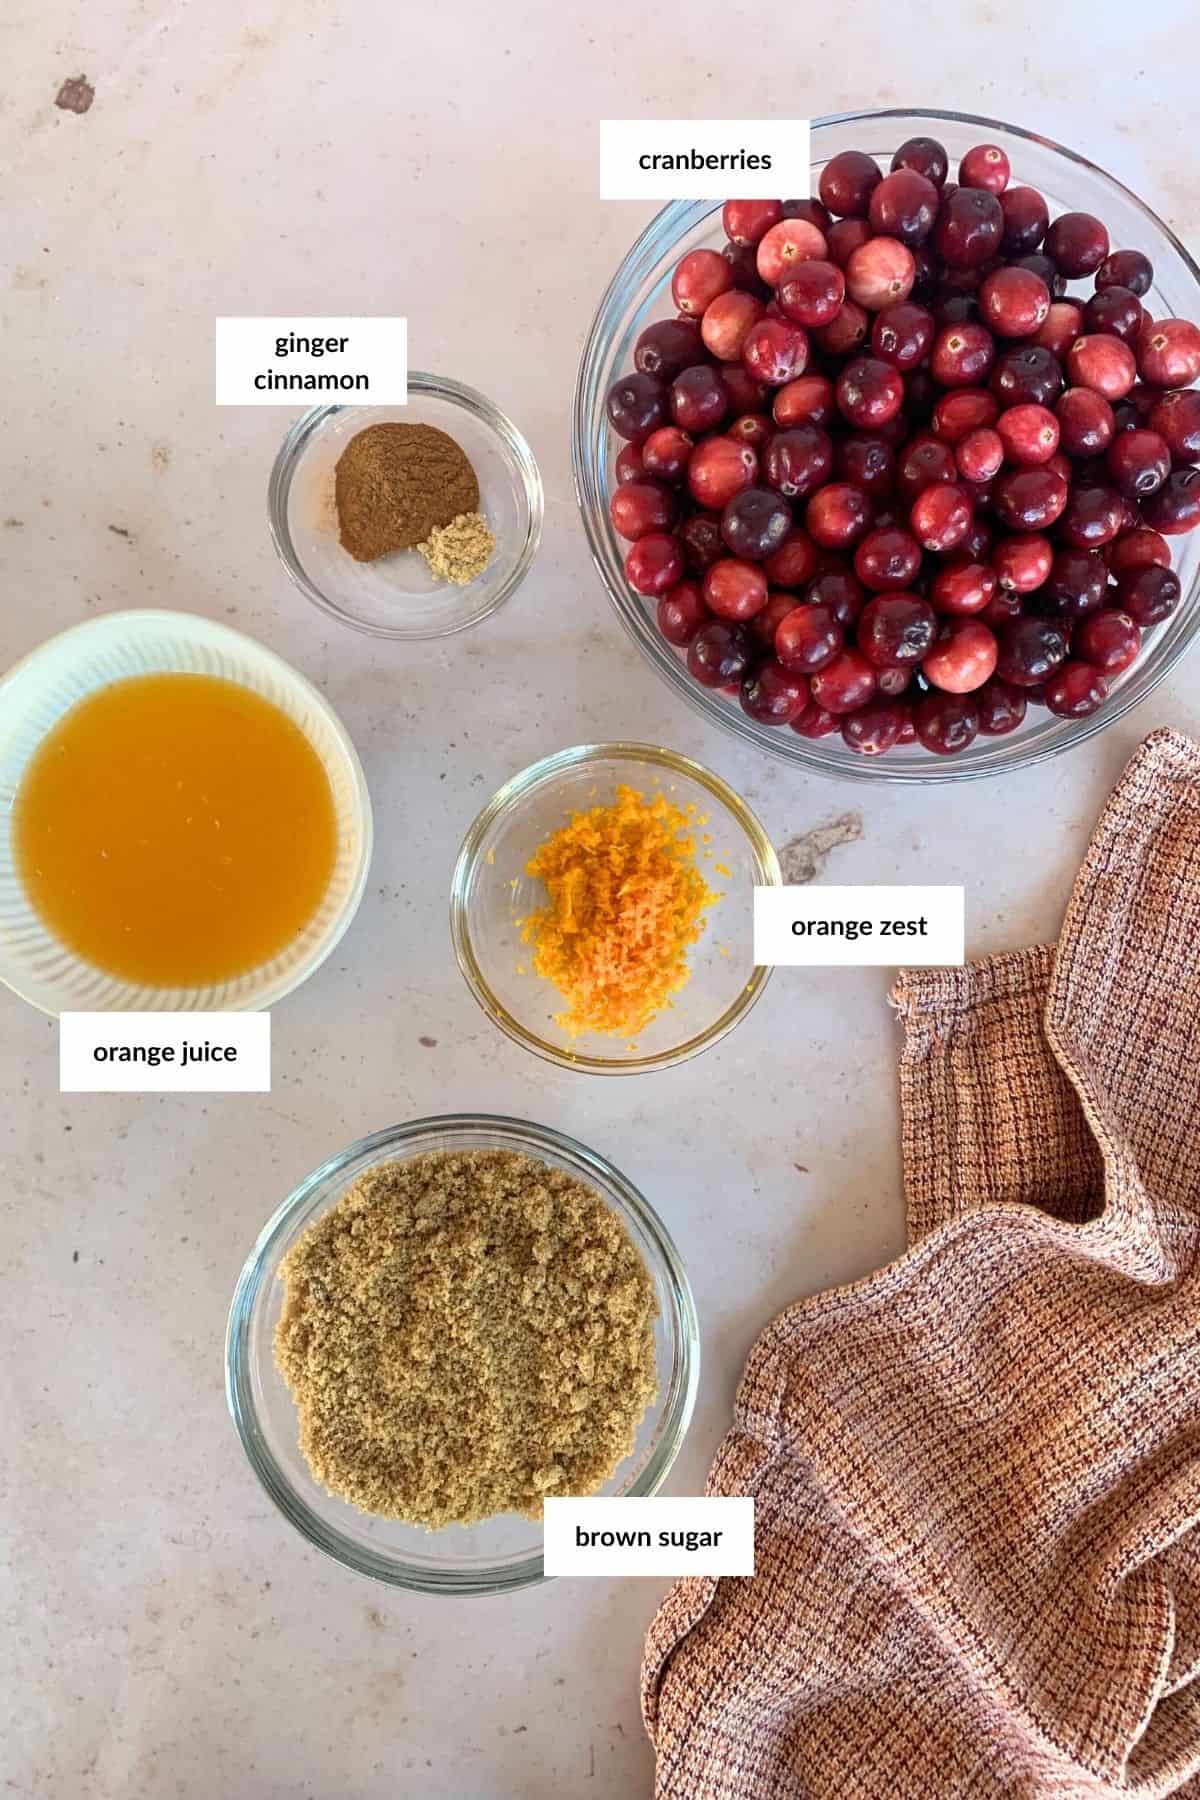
{"x": 376, "y": 348}
{"x": 732, "y": 1516}
{"x": 942, "y": 908}
{"x": 623, "y": 142}
{"x": 79, "y": 1033}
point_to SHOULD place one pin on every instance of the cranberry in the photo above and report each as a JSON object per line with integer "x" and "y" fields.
{"x": 962, "y": 587}
{"x": 1076, "y": 690}
{"x": 790, "y": 242}
{"x": 880, "y": 273}
{"x": 774, "y": 695}
{"x": 1013, "y": 302}
{"x": 1169, "y": 353}
{"x": 1094, "y": 513}
{"x": 743, "y": 270}
{"x": 1085, "y": 422}
{"x": 893, "y": 681}
{"x": 1023, "y": 561}
{"x": 1027, "y": 373}
{"x": 727, "y": 323}
{"x": 962, "y": 355}
{"x": 654, "y": 563}
{"x": 638, "y": 507}
{"x": 1030, "y": 499}
{"x": 969, "y": 227}
{"x": 844, "y": 334}
{"x": 1078, "y": 244}
{"x": 1128, "y": 269}
{"x": 1150, "y": 595}
{"x": 734, "y": 589}
{"x": 809, "y": 209}
{"x": 719, "y": 654}
{"x": 946, "y": 723}
{"x": 765, "y": 624}
{"x": 1116, "y": 310}
{"x": 869, "y": 392}
{"x": 807, "y": 401}
{"x": 1110, "y": 640}
{"x": 887, "y": 558}
{"x": 1005, "y": 604}
{"x": 978, "y": 542}
{"x": 1176, "y": 418}
{"x": 874, "y": 729}
{"x": 925, "y": 459}
{"x": 896, "y": 628}
{"x": 629, "y": 465}
{"x": 845, "y": 684}
{"x": 681, "y": 613}
{"x": 746, "y": 221}
{"x": 1077, "y": 583}
{"x": 666, "y": 451}
{"x": 813, "y": 293}
{"x": 755, "y": 523}
{"x": 1139, "y": 462}
{"x": 941, "y": 516}
{"x": 838, "y": 515}
{"x": 1029, "y": 434}
{"x": 755, "y": 429}
{"x": 1103, "y": 363}
{"x": 1001, "y": 708}
{"x": 742, "y": 393}
{"x": 698, "y": 399}
{"x": 1026, "y": 217}
{"x": 797, "y": 462}
{"x": 985, "y": 166}
{"x": 795, "y": 561}
{"x": 902, "y": 334}
{"x": 963, "y": 658}
{"x": 844, "y": 238}
{"x": 1044, "y": 267}
{"x": 926, "y": 156}
{"x": 808, "y": 638}
{"x": 667, "y": 347}
{"x": 847, "y": 182}
{"x": 637, "y": 405}
{"x": 979, "y": 454}
{"x": 904, "y": 206}
{"x": 815, "y": 722}
{"x": 699, "y": 277}
{"x": 718, "y": 470}
{"x": 840, "y": 591}
{"x": 775, "y": 351}
{"x": 866, "y": 460}
{"x": 1061, "y": 326}
{"x": 962, "y": 411}
{"x": 1176, "y": 506}
{"x": 1030, "y": 651}
{"x": 702, "y": 541}
{"x": 1137, "y": 549}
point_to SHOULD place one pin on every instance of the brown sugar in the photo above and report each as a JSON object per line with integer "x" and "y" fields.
{"x": 395, "y": 483}
{"x": 465, "y": 1333}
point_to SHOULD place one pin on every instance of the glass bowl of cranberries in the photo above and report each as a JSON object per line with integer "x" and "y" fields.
{"x": 901, "y": 481}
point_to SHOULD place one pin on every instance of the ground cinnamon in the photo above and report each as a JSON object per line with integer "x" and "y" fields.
{"x": 395, "y": 483}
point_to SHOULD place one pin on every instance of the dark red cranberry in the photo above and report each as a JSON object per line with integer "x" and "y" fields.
{"x": 963, "y": 657}
{"x": 893, "y": 681}
{"x": 962, "y": 587}
{"x": 838, "y": 515}
{"x": 1117, "y": 310}
{"x": 637, "y": 507}
{"x": 702, "y": 541}
{"x": 844, "y": 334}
{"x": 667, "y": 347}
{"x": 1026, "y": 217}
{"x": 813, "y": 293}
{"x": 1137, "y": 549}
{"x": 746, "y": 221}
{"x": 742, "y": 392}
{"x": 666, "y": 453}
{"x": 926, "y": 156}
{"x": 847, "y": 182}
{"x": 1176, "y": 418}
{"x": 1030, "y": 651}
{"x": 755, "y": 523}
{"x": 1013, "y": 302}
{"x": 904, "y": 206}
{"x": 923, "y": 460}
{"x": 1169, "y": 352}
{"x": 815, "y": 722}
{"x": 797, "y": 462}
{"x": 1076, "y": 585}
{"x": 1005, "y": 604}
{"x": 766, "y": 623}
{"x": 1176, "y": 506}
{"x": 808, "y": 638}
{"x": 844, "y": 237}
{"x": 941, "y": 516}
{"x": 774, "y": 695}
{"x": 866, "y": 459}
{"x": 1110, "y": 640}
{"x": 1127, "y": 269}
{"x": 654, "y": 563}
{"x": 1139, "y": 462}
{"x": 629, "y": 465}
{"x": 980, "y": 454}
{"x": 812, "y": 210}
{"x": 969, "y": 227}
{"x": 902, "y": 334}
{"x": 985, "y": 166}
{"x": 1086, "y": 425}
{"x": 845, "y": 684}
{"x": 962, "y": 355}
{"x": 1076, "y": 690}
{"x": 1103, "y": 363}
{"x": 887, "y": 558}
{"x": 1023, "y": 561}
{"x": 719, "y": 654}
{"x": 743, "y": 267}
{"x": 840, "y": 591}
{"x": 896, "y": 629}
{"x": 700, "y": 276}
{"x": 719, "y": 469}
{"x": 1043, "y": 266}
{"x": 1001, "y": 708}
{"x": 1027, "y": 374}
{"x": 795, "y": 561}
{"x": 637, "y": 405}
{"x": 1094, "y": 513}
{"x": 1078, "y": 243}
{"x": 869, "y": 392}
{"x": 734, "y": 589}
{"x": 946, "y": 723}
{"x": 874, "y": 729}
{"x": 1150, "y": 595}
{"x": 954, "y": 309}
{"x": 681, "y": 613}
{"x": 698, "y": 399}
{"x": 755, "y": 429}
{"x": 978, "y": 542}
{"x": 964, "y": 410}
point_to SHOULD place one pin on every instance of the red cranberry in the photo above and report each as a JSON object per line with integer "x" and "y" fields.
{"x": 1169, "y": 353}
{"x": 1030, "y": 651}
{"x": 838, "y": 515}
{"x": 893, "y": 681}
{"x": 1029, "y": 499}
{"x": 1023, "y": 561}
{"x": 699, "y": 277}
{"x": 681, "y": 613}
{"x": 1076, "y": 690}
{"x": 813, "y": 293}
{"x": 807, "y": 401}
{"x": 755, "y": 429}
{"x": 887, "y": 558}
{"x": 1137, "y": 549}
{"x": 718, "y": 470}
{"x": 840, "y": 591}
{"x": 746, "y": 221}
{"x": 765, "y": 624}
{"x": 962, "y": 411}
{"x": 1085, "y": 422}
{"x": 962, "y": 355}
{"x": 865, "y": 459}
{"x": 904, "y": 206}
{"x": 666, "y": 451}
{"x": 977, "y": 545}
{"x": 698, "y": 399}
{"x": 774, "y": 695}
{"x": 1104, "y": 364}
{"x": 1061, "y": 326}
{"x": 637, "y": 405}
{"x": 1001, "y": 708}
{"x": 1029, "y": 434}
{"x": 880, "y": 273}
{"x": 1150, "y": 595}
{"x": 775, "y": 351}
{"x": 1026, "y": 217}
{"x": 641, "y": 506}
{"x": 1176, "y": 506}
{"x": 1109, "y": 640}
{"x": 790, "y": 242}
{"x": 719, "y": 655}
{"x": 1027, "y": 374}
{"x": 946, "y": 723}
{"x": 869, "y": 392}
{"x": 1013, "y": 302}
{"x": 845, "y": 684}
{"x": 902, "y": 334}
{"x": 925, "y": 459}
{"x": 815, "y": 722}
{"x": 728, "y": 322}
{"x": 1139, "y": 462}
{"x": 963, "y": 658}
{"x": 941, "y": 516}
{"x": 1005, "y": 604}
{"x": 702, "y": 541}
{"x": 734, "y": 589}
{"x": 895, "y": 629}
{"x": 797, "y": 462}
{"x": 847, "y": 182}
{"x": 979, "y": 454}
{"x": 844, "y": 238}
{"x": 1094, "y": 513}
{"x": 1076, "y": 585}
{"x": 795, "y": 561}
{"x": 1116, "y": 310}
{"x": 962, "y": 587}
{"x": 926, "y": 156}
{"x": 843, "y": 335}
{"x": 755, "y": 523}
{"x": 985, "y": 166}
{"x": 667, "y": 347}
{"x": 1127, "y": 269}
{"x": 629, "y": 464}
{"x": 654, "y": 563}
{"x": 874, "y": 729}
{"x": 1176, "y": 418}
{"x": 969, "y": 227}
{"x": 742, "y": 393}
{"x": 1078, "y": 244}
{"x": 808, "y": 638}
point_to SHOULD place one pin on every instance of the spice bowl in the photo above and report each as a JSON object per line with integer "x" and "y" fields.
{"x": 397, "y": 596}
{"x": 492, "y": 895}
{"x": 501, "y": 1553}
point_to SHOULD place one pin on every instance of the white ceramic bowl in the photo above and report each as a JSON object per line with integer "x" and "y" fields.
{"x": 53, "y": 678}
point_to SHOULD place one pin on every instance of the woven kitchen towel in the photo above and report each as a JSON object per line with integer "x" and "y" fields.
{"x": 977, "y": 1473}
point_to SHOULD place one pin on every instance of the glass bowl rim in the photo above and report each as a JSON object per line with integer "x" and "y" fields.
{"x": 546, "y": 769}
{"x": 664, "y": 229}
{"x": 259, "y": 1269}
{"x": 456, "y": 393}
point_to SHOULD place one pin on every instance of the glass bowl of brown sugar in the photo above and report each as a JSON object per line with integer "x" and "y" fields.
{"x": 397, "y": 594}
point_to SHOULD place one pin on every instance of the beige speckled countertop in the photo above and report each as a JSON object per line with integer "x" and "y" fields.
{"x": 168, "y": 1634}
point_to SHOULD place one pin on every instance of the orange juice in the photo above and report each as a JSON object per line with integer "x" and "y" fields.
{"x": 175, "y": 830}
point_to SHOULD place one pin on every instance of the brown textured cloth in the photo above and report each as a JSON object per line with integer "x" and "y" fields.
{"x": 977, "y": 1472}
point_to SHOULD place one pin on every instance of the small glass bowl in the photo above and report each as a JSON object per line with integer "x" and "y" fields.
{"x": 502, "y": 1553}
{"x": 491, "y": 894}
{"x": 640, "y": 293}
{"x": 397, "y": 596}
